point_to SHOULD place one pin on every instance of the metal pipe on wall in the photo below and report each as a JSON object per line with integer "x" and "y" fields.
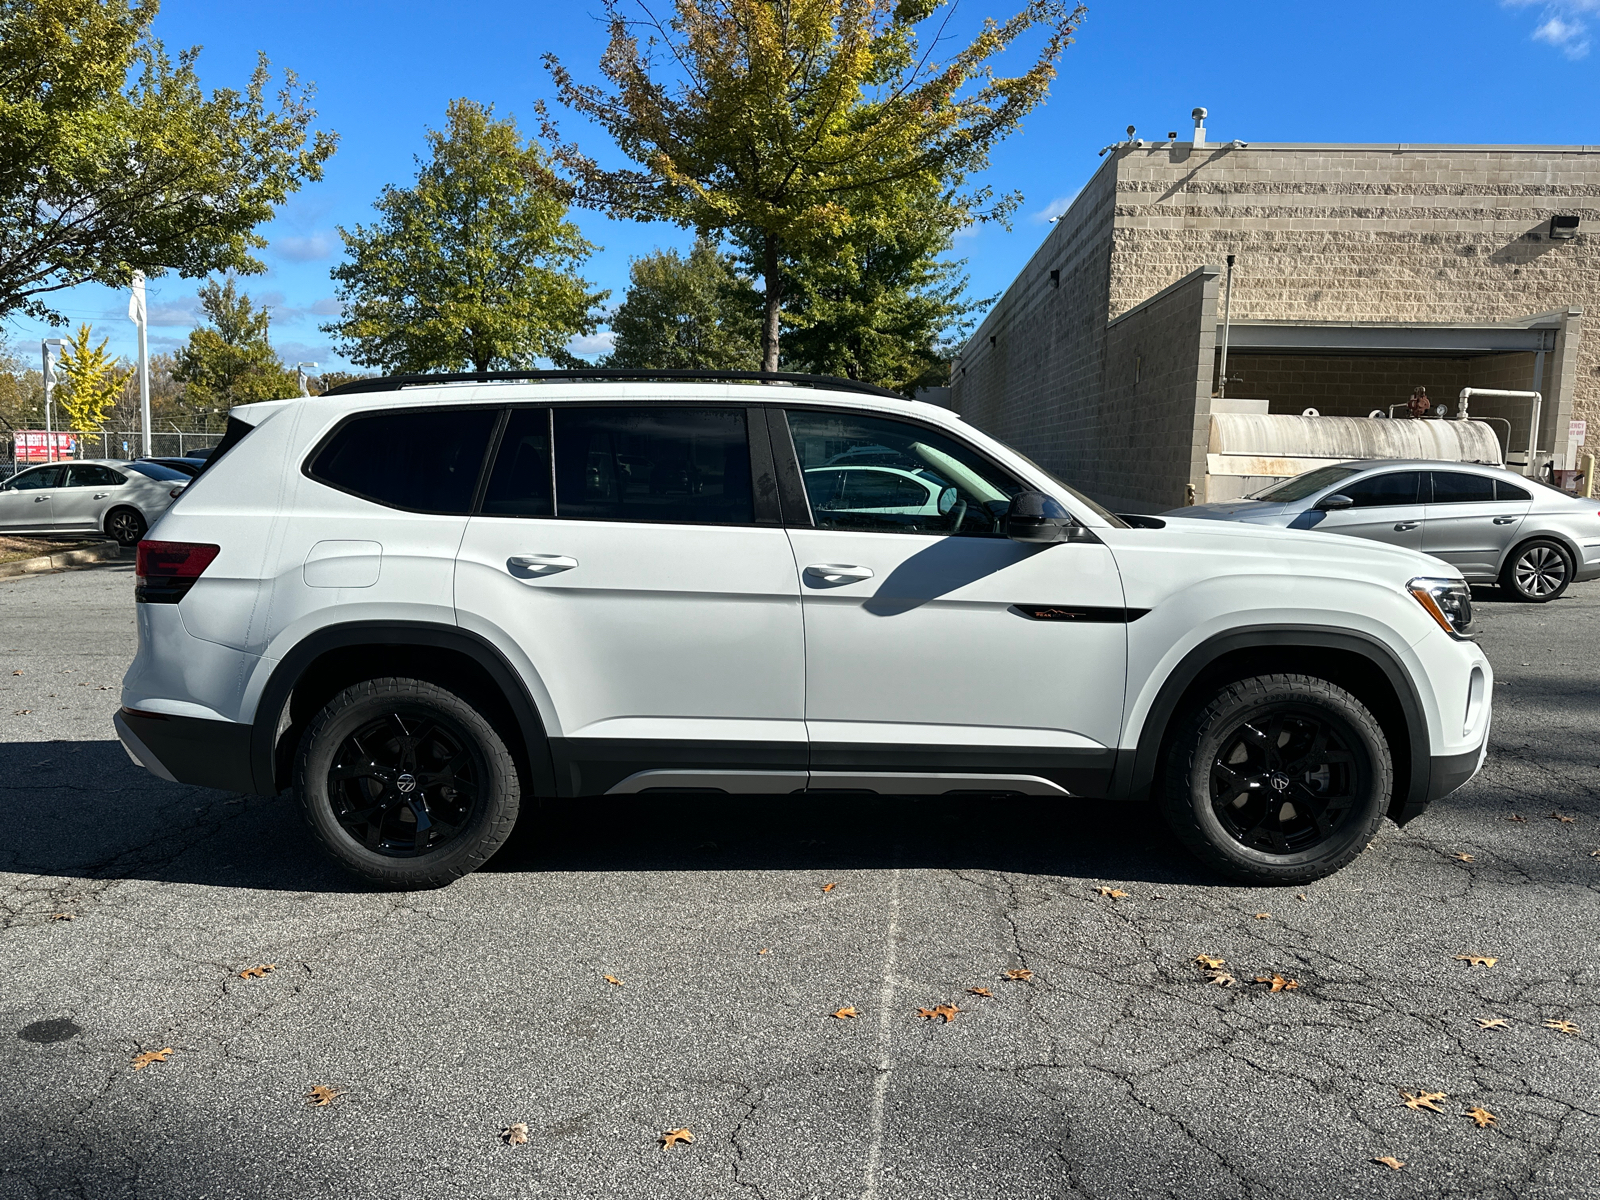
{"x": 1530, "y": 466}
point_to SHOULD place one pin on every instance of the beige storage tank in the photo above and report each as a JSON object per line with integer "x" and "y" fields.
{"x": 1251, "y": 449}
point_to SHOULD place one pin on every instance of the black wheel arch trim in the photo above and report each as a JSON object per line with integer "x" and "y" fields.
{"x": 1136, "y": 769}
{"x": 292, "y": 667}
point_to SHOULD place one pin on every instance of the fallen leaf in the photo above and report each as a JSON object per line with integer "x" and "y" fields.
{"x": 763, "y": 951}
{"x": 1482, "y": 1116}
{"x": 1112, "y": 892}
{"x": 321, "y": 1096}
{"x": 1492, "y": 1022}
{"x": 612, "y": 980}
{"x": 16, "y": 672}
{"x": 1279, "y": 983}
{"x": 1263, "y": 916}
{"x": 22, "y": 712}
{"x": 1019, "y": 973}
{"x": 1555, "y": 816}
{"x": 141, "y": 1061}
{"x": 1594, "y": 854}
{"x": 1390, "y": 1161}
{"x": 980, "y": 992}
{"x": 515, "y": 1135}
{"x": 63, "y": 916}
{"x": 828, "y": 887}
{"x": 1220, "y": 978}
{"x": 1421, "y": 1100}
{"x": 1477, "y": 960}
{"x": 1564, "y": 1027}
{"x": 672, "y": 1137}
{"x": 257, "y": 972}
{"x": 1517, "y": 817}
{"x": 1210, "y": 961}
{"x": 847, "y": 1014}
{"x": 1302, "y": 897}
{"x": 1464, "y": 857}
{"x": 947, "y": 1012}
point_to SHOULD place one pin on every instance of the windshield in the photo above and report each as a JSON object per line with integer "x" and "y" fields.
{"x": 157, "y": 471}
{"x": 1298, "y": 487}
{"x": 1110, "y": 517}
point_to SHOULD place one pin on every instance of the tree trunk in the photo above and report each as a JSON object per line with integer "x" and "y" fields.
{"x": 774, "y": 305}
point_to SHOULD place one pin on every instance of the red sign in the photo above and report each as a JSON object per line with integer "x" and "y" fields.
{"x": 35, "y": 446}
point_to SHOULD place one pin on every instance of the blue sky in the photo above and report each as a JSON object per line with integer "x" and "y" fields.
{"x": 1479, "y": 71}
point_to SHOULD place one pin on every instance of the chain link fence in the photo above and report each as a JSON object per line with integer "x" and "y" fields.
{"x": 109, "y": 444}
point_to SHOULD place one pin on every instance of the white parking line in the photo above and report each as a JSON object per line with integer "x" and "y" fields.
{"x": 880, "y": 1085}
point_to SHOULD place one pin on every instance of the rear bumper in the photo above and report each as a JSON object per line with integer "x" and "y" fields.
{"x": 188, "y": 749}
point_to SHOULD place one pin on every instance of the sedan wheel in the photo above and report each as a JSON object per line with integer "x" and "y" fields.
{"x": 126, "y": 525}
{"x": 1538, "y": 572}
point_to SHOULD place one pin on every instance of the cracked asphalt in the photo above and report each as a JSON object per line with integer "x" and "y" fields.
{"x": 1117, "y": 1070}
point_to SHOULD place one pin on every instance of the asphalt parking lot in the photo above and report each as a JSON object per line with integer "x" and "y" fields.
{"x": 1116, "y": 1070}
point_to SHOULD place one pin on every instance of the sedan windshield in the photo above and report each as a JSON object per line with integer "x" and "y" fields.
{"x": 1298, "y": 487}
{"x": 157, "y": 471}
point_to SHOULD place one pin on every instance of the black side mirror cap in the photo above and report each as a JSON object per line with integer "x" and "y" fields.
{"x": 1039, "y": 520}
{"x": 1330, "y": 503}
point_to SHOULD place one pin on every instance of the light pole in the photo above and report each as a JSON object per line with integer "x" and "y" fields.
{"x": 49, "y": 370}
{"x": 300, "y": 376}
{"x": 139, "y": 315}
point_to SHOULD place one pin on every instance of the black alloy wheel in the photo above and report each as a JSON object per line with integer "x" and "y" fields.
{"x": 126, "y": 525}
{"x": 1538, "y": 572}
{"x": 406, "y": 783}
{"x": 1284, "y": 782}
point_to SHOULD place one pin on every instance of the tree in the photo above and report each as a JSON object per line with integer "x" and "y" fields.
{"x": 230, "y": 361}
{"x": 21, "y": 394}
{"x": 93, "y": 381}
{"x": 687, "y": 311}
{"x": 112, "y": 158}
{"x": 473, "y": 265}
{"x": 776, "y": 123}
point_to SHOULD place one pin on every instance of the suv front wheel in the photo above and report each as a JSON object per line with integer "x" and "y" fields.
{"x": 1278, "y": 779}
{"x": 405, "y": 783}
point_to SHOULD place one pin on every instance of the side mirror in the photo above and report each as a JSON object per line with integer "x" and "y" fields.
{"x": 1332, "y": 503}
{"x": 1039, "y": 520}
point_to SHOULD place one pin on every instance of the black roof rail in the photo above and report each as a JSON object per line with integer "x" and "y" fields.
{"x": 393, "y": 383}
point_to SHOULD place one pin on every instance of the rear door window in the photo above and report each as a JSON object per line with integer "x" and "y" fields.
{"x": 92, "y": 475}
{"x": 1458, "y": 487}
{"x": 1383, "y": 491}
{"x": 522, "y": 484}
{"x": 422, "y": 460}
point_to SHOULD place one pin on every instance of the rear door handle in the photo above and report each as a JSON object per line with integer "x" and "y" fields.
{"x": 838, "y": 572}
{"x": 540, "y": 564}
{"x": 1406, "y": 525}
{"x": 1504, "y": 520}
{"x": 40, "y": 499}
{"x": 101, "y": 495}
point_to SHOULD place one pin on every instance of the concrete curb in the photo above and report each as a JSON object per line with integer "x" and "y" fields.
{"x": 97, "y": 552}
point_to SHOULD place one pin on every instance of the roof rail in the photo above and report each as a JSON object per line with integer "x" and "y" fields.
{"x": 393, "y": 383}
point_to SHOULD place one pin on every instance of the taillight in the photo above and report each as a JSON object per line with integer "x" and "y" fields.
{"x": 167, "y": 570}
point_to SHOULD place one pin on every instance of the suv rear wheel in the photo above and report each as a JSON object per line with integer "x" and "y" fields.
{"x": 1278, "y": 779}
{"x": 405, "y": 783}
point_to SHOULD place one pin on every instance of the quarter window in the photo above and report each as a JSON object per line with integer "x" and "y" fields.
{"x": 1383, "y": 491}
{"x": 876, "y": 475}
{"x": 1505, "y": 490}
{"x": 426, "y": 460}
{"x": 1458, "y": 487}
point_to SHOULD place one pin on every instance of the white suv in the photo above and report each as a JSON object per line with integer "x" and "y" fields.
{"x": 429, "y": 603}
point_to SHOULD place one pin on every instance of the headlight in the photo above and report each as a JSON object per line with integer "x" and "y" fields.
{"x": 1448, "y": 601}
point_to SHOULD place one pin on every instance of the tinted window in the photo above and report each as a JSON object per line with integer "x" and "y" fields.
{"x": 427, "y": 460}
{"x": 1457, "y": 487}
{"x": 157, "y": 471}
{"x": 92, "y": 475}
{"x": 1380, "y": 491}
{"x": 653, "y": 464}
{"x": 520, "y": 483}
{"x": 964, "y": 494}
{"x": 39, "y": 477}
{"x": 1301, "y": 486}
{"x": 1504, "y": 490}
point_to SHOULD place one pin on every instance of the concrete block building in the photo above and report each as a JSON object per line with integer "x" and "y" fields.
{"x": 1360, "y": 271}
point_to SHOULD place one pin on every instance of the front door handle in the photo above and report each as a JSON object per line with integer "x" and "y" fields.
{"x": 1404, "y": 526}
{"x": 540, "y": 564}
{"x": 838, "y": 572}
{"x": 1504, "y": 520}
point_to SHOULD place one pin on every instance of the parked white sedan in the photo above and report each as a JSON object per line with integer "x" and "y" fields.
{"x": 122, "y": 499}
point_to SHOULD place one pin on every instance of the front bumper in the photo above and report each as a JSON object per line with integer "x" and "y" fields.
{"x": 188, "y": 749}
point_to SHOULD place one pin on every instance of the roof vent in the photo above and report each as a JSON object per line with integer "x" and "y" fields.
{"x": 1199, "y": 116}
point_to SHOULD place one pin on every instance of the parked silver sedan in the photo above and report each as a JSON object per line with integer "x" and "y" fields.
{"x": 122, "y": 499}
{"x": 1495, "y": 526}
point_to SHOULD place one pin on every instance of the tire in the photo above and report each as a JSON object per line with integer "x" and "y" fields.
{"x": 406, "y": 784}
{"x": 1538, "y": 571}
{"x": 1227, "y": 771}
{"x": 127, "y": 525}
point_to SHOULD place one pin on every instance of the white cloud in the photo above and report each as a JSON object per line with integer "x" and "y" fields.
{"x": 1562, "y": 25}
{"x": 290, "y": 353}
{"x": 1054, "y": 209}
{"x": 305, "y": 249}
{"x": 180, "y": 310}
{"x": 593, "y": 344}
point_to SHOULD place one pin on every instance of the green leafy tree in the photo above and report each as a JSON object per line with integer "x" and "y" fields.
{"x": 687, "y": 311}
{"x": 475, "y": 264}
{"x": 231, "y": 360}
{"x": 92, "y": 380}
{"x": 113, "y": 158}
{"x": 21, "y": 394}
{"x": 778, "y": 123}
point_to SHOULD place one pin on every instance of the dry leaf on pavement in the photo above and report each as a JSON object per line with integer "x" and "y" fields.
{"x": 1112, "y": 892}
{"x": 1279, "y": 983}
{"x": 1424, "y": 1100}
{"x": 1210, "y": 961}
{"x": 1564, "y": 1027}
{"x": 1477, "y": 960}
{"x": 321, "y": 1096}
{"x": 515, "y": 1135}
{"x": 979, "y": 992}
{"x": 1263, "y": 916}
{"x": 257, "y": 972}
{"x": 1220, "y": 978}
{"x": 1019, "y": 973}
{"x": 1390, "y": 1161}
{"x": 1482, "y": 1116}
{"x": 141, "y": 1061}
{"x": 612, "y": 980}
{"x": 1518, "y": 818}
{"x": 847, "y": 1014}
{"x": 764, "y": 951}
{"x": 23, "y": 712}
{"x": 828, "y": 887}
{"x": 1492, "y": 1022}
{"x": 63, "y": 916}
{"x": 947, "y": 1012}
{"x": 672, "y": 1137}
{"x": 1565, "y": 820}
{"x": 1463, "y": 856}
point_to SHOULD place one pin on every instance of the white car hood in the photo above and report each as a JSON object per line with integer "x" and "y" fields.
{"x": 1305, "y": 551}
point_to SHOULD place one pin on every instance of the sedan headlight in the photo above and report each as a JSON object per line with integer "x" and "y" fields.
{"x": 1448, "y": 601}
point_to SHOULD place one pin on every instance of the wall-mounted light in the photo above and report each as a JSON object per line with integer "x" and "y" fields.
{"x": 1563, "y": 228}
{"x": 1055, "y": 279}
